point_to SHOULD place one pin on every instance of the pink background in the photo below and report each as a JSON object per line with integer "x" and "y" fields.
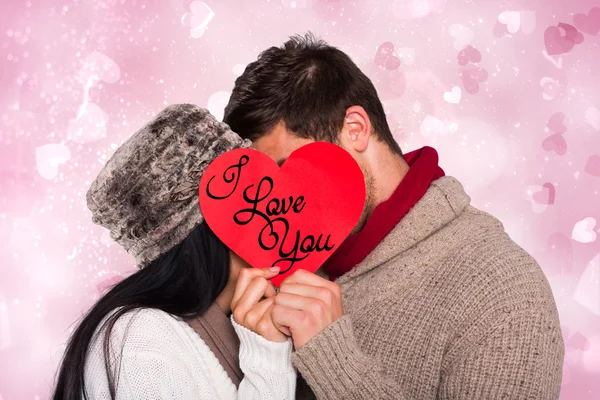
{"x": 79, "y": 76}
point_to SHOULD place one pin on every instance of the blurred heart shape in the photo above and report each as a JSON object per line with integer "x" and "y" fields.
{"x": 462, "y": 36}
{"x": 527, "y": 22}
{"x": 198, "y": 18}
{"x": 588, "y": 23}
{"x": 592, "y": 166}
{"x": 468, "y": 54}
{"x": 471, "y": 77}
{"x": 583, "y": 231}
{"x": 98, "y": 67}
{"x": 89, "y": 126}
{"x": 555, "y": 143}
{"x": 560, "y": 39}
{"x": 385, "y": 57}
{"x": 512, "y": 20}
{"x": 592, "y": 116}
{"x": 577, "y": 342}
{"x": 453, "y": 96}
{"x": 48, "y": 157}
{"x": 541, "y": 197}
{"x": 555, "y": 123}
{"x": 406, "y": 55}
{"x": 546, "y": 195}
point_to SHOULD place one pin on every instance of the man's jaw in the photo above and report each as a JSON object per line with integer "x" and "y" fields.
{"x": 364, "y": 217}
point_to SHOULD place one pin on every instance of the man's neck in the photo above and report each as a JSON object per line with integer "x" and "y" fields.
{"x": 387, "y": 174}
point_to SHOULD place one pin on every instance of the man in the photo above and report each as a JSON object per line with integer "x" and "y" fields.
{"x": 431, "y": 299}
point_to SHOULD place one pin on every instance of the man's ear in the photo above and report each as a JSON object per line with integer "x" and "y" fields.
{"x": 356, "y": 130}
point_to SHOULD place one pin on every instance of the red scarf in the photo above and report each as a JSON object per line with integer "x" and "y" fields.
{"x": 423, "y": 170}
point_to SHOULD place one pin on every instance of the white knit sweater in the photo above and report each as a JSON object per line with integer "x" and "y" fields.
{"x": 158, "y": 356}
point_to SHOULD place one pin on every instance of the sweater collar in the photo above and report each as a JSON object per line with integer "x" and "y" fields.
{"x": 443, "y": 202}
{"x": 424, "y": 169}
{"x": 215, "y": 329}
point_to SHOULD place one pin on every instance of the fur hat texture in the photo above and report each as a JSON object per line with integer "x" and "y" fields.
{"x": 147, "y": 193}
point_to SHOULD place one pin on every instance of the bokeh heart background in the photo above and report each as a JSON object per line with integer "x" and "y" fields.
{"x": 507, "y": 91}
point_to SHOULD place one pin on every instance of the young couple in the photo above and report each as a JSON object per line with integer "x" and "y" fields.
{"x": 428, "y": 298}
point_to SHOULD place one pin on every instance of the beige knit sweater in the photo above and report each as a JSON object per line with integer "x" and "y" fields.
{"x": 446, "y": 307}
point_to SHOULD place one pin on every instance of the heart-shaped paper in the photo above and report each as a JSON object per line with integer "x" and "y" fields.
{"x": 293, "y": 217}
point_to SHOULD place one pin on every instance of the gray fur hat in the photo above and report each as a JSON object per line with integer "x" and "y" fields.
{"x": 147, "y": 193}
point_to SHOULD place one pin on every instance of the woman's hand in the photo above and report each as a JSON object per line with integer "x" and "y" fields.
{"x": 253, "y": 300}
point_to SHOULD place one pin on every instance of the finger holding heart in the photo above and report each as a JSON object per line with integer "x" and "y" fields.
{"x": 309, "y": 285}
{"x": 253, "y": 301}
{"x": 245, "y": 279}
{"x": 258, "y": 319}
{"x": 306, "y": 304}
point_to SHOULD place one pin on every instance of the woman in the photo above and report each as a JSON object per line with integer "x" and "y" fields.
{"x": 163, "y": 333}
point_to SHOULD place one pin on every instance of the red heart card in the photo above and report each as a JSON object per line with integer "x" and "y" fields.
{"x": 293, "y": 217}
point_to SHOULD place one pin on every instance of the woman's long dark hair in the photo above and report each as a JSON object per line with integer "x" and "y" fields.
{"x": 184, "y": 282}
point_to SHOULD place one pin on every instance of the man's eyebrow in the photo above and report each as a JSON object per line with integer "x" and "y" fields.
{"x": 281, "y": 161}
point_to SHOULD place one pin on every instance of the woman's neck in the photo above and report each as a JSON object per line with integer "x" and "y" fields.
{"x": 224, "y": 299}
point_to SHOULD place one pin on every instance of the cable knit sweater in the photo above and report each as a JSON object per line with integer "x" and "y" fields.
{"x": 446, "y": 307}
{"x": 158, "y": 356}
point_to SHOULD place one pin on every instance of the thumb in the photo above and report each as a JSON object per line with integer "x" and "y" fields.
{"x": 270, "y": 272}
{"x": 246, "y": 276}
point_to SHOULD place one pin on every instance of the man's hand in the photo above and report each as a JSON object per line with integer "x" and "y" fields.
{"x": 253, "y": 301}
{"x": 306, "y": 304}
